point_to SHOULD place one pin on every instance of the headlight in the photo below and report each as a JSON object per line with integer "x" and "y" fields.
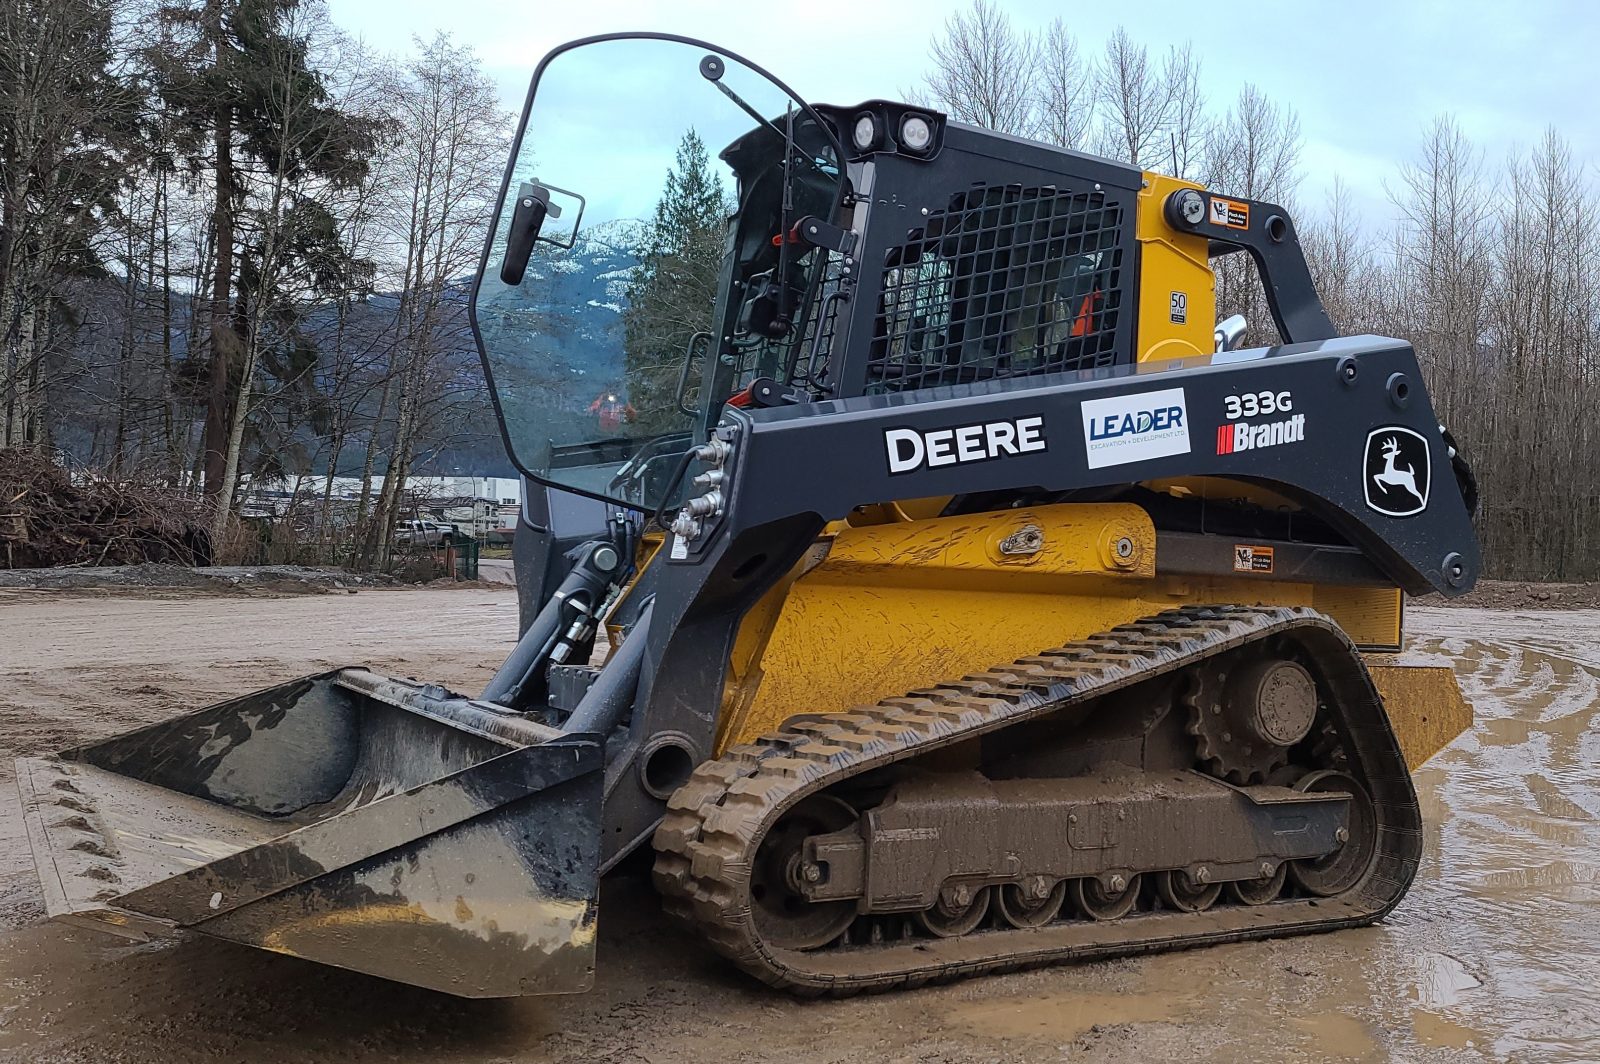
{"x": 865, "y": 133}
{"x": 916, "y": 133}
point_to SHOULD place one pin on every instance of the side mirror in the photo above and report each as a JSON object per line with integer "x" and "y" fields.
{"x": 527, "y": 218}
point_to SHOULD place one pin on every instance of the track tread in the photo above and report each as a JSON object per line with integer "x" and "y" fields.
{"x": 707, "y": 842}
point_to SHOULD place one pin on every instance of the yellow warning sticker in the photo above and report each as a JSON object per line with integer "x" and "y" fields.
{"x": 1247, "y": 559}
{"x": 1235, "y": 214}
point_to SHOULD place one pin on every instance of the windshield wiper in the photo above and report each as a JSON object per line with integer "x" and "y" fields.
{"x": 712, "y": 69}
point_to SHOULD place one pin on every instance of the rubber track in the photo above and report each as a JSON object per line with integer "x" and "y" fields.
{"x": 708, "y": 839}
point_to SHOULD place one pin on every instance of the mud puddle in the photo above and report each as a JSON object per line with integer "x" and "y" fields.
{"x": 1494, "y": 955}
{"x": 1511, "y": 888}
{"x": 1061, "y": 1018}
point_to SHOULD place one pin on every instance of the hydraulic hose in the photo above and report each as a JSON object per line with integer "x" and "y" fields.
{"x": 612, "y": 693}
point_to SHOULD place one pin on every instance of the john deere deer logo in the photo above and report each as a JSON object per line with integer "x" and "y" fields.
{"x": 1397, "y": 472}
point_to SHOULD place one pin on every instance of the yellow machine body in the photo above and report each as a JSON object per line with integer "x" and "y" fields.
{"x": 898, "y": 597}
{"x": 890, "y": 602}
{"x": 1178, "y": 303}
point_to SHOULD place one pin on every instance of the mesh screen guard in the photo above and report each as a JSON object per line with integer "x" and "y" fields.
{"x": 1005, "y": 281}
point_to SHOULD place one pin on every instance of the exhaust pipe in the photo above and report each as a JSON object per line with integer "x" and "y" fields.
{"x": 1229, "y": 332}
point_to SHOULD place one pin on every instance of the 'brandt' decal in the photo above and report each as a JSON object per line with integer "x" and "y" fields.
{"x": 1241, "y": 436}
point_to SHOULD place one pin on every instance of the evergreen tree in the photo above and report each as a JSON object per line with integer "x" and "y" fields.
{"x": 253, "y": 116}
{"x": 673, "y": 292}
{"x": 67, "y": 128}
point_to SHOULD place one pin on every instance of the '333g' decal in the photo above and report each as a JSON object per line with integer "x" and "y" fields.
{"x": 1258, "y": 404}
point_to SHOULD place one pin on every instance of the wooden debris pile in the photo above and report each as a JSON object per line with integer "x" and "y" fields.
{"x": 48, "y": 518}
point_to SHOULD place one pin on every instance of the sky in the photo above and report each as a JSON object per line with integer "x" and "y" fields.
{"x": 1365, "y": 76}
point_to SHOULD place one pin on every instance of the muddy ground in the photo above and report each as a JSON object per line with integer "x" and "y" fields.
{"x": 1495, "y": 954}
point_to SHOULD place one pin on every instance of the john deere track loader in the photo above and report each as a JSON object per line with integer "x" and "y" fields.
{"x": 971, "y": 600}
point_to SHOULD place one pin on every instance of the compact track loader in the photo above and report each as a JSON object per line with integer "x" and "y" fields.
{"x": 970, "y": 600}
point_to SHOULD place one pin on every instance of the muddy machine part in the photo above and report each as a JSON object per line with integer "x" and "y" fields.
{"x": 974, "y": 599}
{"x": 1077, "y": 824}
{"x": 366, "y": 823}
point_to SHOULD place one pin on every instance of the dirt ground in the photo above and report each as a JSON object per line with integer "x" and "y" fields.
{"x": 1495, "y": 954}
{"x": 182, "y": 581}
{"x": 1523, "y": 594}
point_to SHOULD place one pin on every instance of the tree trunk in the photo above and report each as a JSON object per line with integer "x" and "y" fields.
{"x": 119, "y": 436}
{"x": 10, "y": 366}
{"x": 24, "y": 381}
{"x": 372, "y": 451}
{"x": 169, "y": 400}
{"x": 37, "y": 427}
{"x": 224, "y": 340}
{"x": 230, "y": 458}
{"x": 335, "y": 446}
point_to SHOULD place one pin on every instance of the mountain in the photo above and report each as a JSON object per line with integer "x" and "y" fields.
{"x": 565, "y": 319}
{"x": 557, "y": 340}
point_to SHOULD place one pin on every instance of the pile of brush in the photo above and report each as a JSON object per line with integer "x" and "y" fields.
{"x": 49, "y": 518}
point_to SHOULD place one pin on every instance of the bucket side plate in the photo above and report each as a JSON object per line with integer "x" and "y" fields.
{"x": 502, "y": 905}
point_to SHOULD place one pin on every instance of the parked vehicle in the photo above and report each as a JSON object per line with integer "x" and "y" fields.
{"x": 423, "y": 533}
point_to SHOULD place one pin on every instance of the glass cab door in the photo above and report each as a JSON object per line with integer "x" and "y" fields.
{"x": 618, "y": 233}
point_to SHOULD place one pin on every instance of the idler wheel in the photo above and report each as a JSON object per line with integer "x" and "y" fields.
{"x": 1342, "y": 868}
{"x": 786, "y": 918}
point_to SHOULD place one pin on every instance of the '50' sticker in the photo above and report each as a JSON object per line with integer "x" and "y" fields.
{"x": 1258, "y": 404}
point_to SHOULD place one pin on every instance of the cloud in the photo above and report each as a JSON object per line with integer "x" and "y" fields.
{"x": 1365, "y": 76}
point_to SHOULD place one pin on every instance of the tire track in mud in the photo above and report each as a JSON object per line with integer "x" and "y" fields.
{"x": 1491, "y": 957}
{"x": 1518, "y": 802}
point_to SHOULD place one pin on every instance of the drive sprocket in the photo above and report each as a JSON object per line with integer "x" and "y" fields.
{"x": 1245, "y": 714}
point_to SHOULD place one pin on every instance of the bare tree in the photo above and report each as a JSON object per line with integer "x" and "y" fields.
{"x": 1443, "y": 259}
{"x": 1345, "y": 265}
{"x": 356, "y": 363}
{"x": 1253, "y": 151}
{"x": 1135, "y": 101}
{"x": 983, "y": 70}
{"x": 1541, "y": 331}
{"x": 444, "y": 168}
{"x": 1066, "y": 87}
{"x": 1187, "y": 127}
